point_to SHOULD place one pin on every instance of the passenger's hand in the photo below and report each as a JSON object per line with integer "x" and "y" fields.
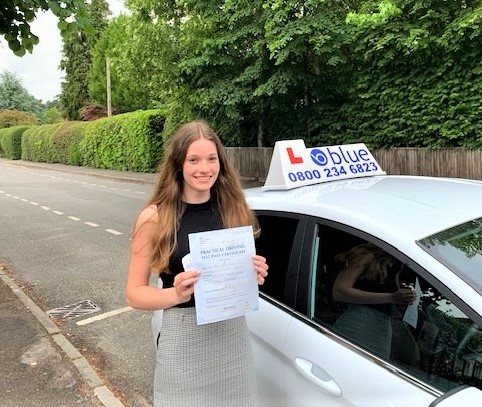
{"x": 261, "y": 268}
{"x": 404, "y": 296}
{"x": 184, "y": 284}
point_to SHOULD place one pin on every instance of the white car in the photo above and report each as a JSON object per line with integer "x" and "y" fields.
{"x": 431, "y": 226}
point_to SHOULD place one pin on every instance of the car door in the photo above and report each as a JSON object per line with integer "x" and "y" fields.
{"x": 298, "y": 363}
{"x": 429, "y": 353}
{"x": 280, "y": 242}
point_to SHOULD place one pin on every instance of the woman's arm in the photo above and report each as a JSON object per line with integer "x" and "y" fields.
{"x": 139, "y": 294}
{"x": 344, "y": 291}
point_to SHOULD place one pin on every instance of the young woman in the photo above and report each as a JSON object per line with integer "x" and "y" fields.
{"x": 198, "y": 190}
{"x": 368, "y": 283}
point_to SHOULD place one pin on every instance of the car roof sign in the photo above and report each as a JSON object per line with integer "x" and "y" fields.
{"x": 293, "y": 165}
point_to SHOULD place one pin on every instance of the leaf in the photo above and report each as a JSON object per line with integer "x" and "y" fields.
{"x": 14, "y": 45}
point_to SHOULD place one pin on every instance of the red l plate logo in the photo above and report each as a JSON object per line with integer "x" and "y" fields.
{"x": 293, "y": 159}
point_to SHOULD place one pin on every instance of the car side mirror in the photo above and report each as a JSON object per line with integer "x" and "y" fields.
{"x": 460, "y": 396}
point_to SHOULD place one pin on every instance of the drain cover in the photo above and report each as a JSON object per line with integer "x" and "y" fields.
{"x": 73, "y": 310}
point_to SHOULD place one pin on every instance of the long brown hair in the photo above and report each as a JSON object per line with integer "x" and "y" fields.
{"x": 378, "y": 261}
{"x": 227, "y": 192}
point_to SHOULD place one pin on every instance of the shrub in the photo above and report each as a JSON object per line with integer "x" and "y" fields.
{"x": 129, "y": 142}
{"x": 65, "y": 142}
{"x": 37, "y": 144}
{"x": 11, "y": 142}
{"x": 12, "y": 117}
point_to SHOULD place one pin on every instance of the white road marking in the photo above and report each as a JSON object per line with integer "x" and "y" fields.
{"x": 114, "y": 232}
{"x": 104, "y": 316}
{"x": 74, "y": 218}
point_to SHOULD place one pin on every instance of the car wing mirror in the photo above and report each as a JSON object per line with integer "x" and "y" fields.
{"x": 460, "y": 396}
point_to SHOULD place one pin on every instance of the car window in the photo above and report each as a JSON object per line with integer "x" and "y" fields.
{"x": 460, "y": 249}
{"x": 276, "y": 243}
{"x": 431, "y": 338}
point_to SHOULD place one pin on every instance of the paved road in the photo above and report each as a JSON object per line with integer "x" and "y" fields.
{"x": 65, "y": 236}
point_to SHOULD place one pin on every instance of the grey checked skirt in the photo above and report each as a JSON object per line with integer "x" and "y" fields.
{"x": 203, "y": 365}
{"x": 367, "y": 327}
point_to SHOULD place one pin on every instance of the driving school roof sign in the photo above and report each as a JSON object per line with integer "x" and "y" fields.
{"x": 293, "y": 165}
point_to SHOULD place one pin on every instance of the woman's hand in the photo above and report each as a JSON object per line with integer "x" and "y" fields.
{"x": 404, "y": 296}
{"x": 184, "y": 284}
{"x": 261, "y": 268}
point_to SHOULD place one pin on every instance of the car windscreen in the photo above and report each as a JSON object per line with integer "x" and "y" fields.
{"x": 460, "y": 249}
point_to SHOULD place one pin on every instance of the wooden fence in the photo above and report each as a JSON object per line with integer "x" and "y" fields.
{"x": 253, "y": 162}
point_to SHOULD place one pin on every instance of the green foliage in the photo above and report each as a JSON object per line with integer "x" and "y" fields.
{"x": 66, "y": 141}
{"x": 10, "y": 142}
{"x": 385, "y": 72}
{"x": 16, "y": 16}
{"x": 258, "y": 71}
{"x": 53, "y": 143}
{"x": 419, "y": 82}
{"x": 37, "y": 144}
{"x": 75, "y": 63}
{"x": 77, "y": 60}
{"x": 143, "y": 64}
{"x": 53, "y": 115}
{"x": 13, "y": 95}
{"x": 12, "y": 117}
{"x": 129, "y": 142}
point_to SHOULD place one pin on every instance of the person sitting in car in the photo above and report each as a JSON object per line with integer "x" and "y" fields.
{"x": 368, "y": 283}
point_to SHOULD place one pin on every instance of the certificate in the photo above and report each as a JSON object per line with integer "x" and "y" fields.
{"x": 228, "y": 286}
{"x": 411, "y": 313}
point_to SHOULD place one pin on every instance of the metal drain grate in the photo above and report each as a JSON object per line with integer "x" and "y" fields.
{"x": 73, "y": 310}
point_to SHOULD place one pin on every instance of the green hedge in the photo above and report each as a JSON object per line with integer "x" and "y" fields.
{"x": 53, "y": 143}
{"x": 11, "y": 142}
{"x": 37, "y": 144}
{"x": 128, "y": 142}
{"x": 66, "y": 142}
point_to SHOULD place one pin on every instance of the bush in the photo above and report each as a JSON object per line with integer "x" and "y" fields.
{"x": 128, "y": 142}
{"x": 12, "y": 117}
{"x": 66, "y": 141}
{"x": 54, "y": 143}
{"x": 93, "y": 112}
{"x": 11, "y": 142}
{"x": 37, "y": 144}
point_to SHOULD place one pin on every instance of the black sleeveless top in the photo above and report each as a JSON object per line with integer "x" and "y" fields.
{"x": 387, "y": 286}
{"x": 196, "y": 218}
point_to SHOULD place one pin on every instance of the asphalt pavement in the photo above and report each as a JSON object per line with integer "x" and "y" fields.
{"x": 38, "y": 364}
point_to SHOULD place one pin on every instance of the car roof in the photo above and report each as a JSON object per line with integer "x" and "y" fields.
{"x": 415, "y": 206}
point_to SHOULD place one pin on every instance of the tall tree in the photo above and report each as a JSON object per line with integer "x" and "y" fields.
{"x": 137, "y": 51}
{"x": 419, "y": 81}
{"x": 16, "y": 16}
{"x": 13, "y": 95}
{"x": 218, "y": 46}
{"x": 76, "y": 60}
{"x": 258, "y": 69}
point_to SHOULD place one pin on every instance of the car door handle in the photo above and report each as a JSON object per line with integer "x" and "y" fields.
{"x": 318, "y": 376}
